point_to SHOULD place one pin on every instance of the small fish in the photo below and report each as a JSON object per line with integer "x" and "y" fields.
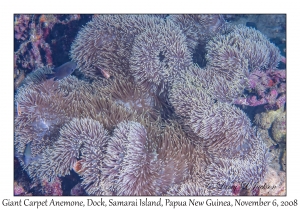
{"x": 105, "y": 73}
{"x": 62, "y": 71}
{"x": 19, "y": 109}
{"x": 275, "y": 146}
{"x": 27, "y": 154}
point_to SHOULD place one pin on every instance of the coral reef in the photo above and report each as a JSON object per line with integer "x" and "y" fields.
{"x": 276, "y": 181}
{"x": 35, "y": 43}
{"x": 283, "y": 160}
{"x": 140, "y": 117}
{"x": 279, "y": 128}
{"x": 77, "y": 190}
{"x": 18, "y": 190}
{"x": 270, "y": 87}
{"x": 234, "y": 57}
{"x": 272, "y": 127}
{"x": 52, "y": 188}
{"x": 265, "y": 119}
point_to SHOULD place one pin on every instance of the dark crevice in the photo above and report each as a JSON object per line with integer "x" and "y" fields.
{"x": 161, "y": 56}
{"x": 199, "y": 55}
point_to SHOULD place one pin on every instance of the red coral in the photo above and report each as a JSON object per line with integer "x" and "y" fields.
{"x": 269, "y": 87}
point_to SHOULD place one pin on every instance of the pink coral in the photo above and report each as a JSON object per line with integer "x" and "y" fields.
{"x": 269, "y": 87}
{"x": 18, "y": 189}
{"x": 52, "y": 188}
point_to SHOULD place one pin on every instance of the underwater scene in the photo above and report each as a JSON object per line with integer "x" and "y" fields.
{"x": 149, "y": 105}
